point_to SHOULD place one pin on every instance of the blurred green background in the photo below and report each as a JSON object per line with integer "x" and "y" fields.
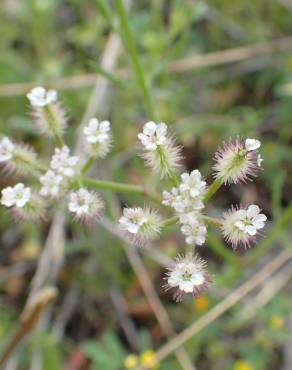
{"x": 48, "y": 42}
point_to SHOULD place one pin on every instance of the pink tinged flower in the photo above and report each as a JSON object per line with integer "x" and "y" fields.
{"x": 6, "y": 149}
{"x": 17, "y": 196}
{"x": 40, "y": 97}
{"x": 51, "y": 184}
{"x": 97, "y": 132}
{"x": 252, "y": 144}
{"x": 85, "y": 205}
{"x": 153, "y": 135}
{"x": 236, "y": 162}
{"x": 140, "y": 224}
{"x": 240, "y": 226}
{"x": 63, "y": 163}
{"x": 188, "y": 275}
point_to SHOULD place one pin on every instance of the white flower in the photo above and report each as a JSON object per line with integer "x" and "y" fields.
{"x": 252, "y": 144}
{"x": 240, "y": 226}
{"x": 85, "y": 205}
{"x": 62, "y": 162}
{"x": 153, "y": 135}
{"x": 188, "y": 197}
{"x": 194, "y": 230}
{"x": 133, "y": 219}
{"x": 160, "y": 152}
{"x": 259, "y": 160}
{"x": 17, "y": 196}
{"x": 140, "y": 224}
{"x": 192, "y": 183}
{"x": 188, "y": 274}
{"x": 97, "y": 132}
{"x": 39, "y": 97}
{"x": 51, "y": 184}
{"x": 6, "y": 149}
{"x": 250, "y": 220}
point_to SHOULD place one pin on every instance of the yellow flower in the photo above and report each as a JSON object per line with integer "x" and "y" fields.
{"x": 201, "y": 303}
{"x": 276, "y": 322}
{"x": 242, "y": 365}
{"x": 148, "y": 359}
{"x": 131, "y": 361}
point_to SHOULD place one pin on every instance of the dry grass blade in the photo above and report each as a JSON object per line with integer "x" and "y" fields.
{"x": 196, "y": 61}
{"x": 150, "y": 293}
{"x": 28, "y": 320}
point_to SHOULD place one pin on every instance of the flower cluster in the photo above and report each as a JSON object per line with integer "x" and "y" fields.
{"x": 47, "y": 112}
{"x": 160, "y": 152}
{"x": 241, "y": 225}
{"x": 237, "y": 161}
{"x": 140, "y": 224}
{"x": 63, "y": 178}
{"x": 187, "y": 201}
{"x": 98, "y": 138}
{"x": 60, "y": 178}
{"x": 188, "y": 275}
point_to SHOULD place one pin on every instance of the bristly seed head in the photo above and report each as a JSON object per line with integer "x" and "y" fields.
{"x": 86, "y": 206}
{"x": 238, "y": 161}
{"x": 48, "y": 113}
{"x": 24, "y": 205}
{"x": 98, "y": 138}
{"x": 140, "y": 225}
{"x": 188, "y": 275}
{"x": 160, "y": 152}
{"x": 16, "y": 158}
{"x": 240, "y": 225}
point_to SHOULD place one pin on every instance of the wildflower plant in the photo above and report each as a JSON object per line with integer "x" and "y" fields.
{"x": 63, "y": 178}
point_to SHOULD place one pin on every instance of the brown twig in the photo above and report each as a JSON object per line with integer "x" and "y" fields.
{"x": 28, "y": 320}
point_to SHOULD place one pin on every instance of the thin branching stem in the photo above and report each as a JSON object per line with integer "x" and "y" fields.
{"x": 138, "y": 69}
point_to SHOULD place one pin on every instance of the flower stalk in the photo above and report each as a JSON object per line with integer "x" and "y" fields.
{"x": 120, "y": 188}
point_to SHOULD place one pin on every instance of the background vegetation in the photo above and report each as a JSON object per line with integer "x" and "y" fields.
{"x": 107, "y": 308}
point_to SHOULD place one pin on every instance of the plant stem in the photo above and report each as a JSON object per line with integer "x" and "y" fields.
{"x": 170, "y": 221}
{"x": 212, "y": 189}
{"x": 212, "y": 221}
{"x": 208, "y": 220}
{"x": 120, "y": 188}
{"x": 138, "y": 69}
{"x": 87, "y": 165}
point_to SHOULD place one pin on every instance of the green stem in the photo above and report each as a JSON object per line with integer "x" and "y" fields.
{"x": 120, "y": 188}
{"x": 208, "y": 220}
{"x": 138, "y": 69}
{"x": 87, "y": 165}
{"x": 170, "y": 221}
{"x": 212, "y": 189}
{"x": 212, "y": 221}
